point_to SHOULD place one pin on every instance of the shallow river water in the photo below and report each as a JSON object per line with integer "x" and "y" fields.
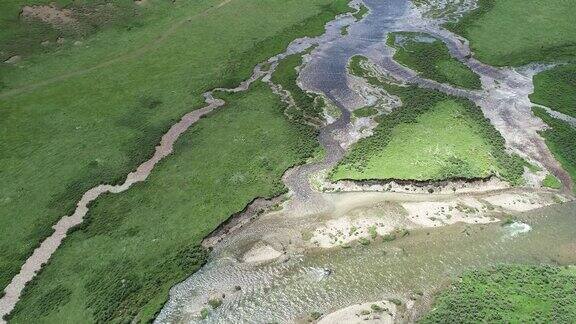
{"x": 420, "y": 262}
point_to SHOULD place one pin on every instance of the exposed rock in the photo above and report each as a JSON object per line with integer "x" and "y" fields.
{"x": 14, "y": 59}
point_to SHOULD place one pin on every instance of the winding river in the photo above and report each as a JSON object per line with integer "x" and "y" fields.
{"x": 307, "y": 280}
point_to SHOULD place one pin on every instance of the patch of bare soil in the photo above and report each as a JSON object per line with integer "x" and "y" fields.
{"x": 50, "y": 14}
{"x": 371, "y": 312}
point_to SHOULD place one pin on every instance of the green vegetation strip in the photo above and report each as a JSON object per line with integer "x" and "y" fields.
{"x": 361, "y": 12}
{"x": 95, "y": 127}
{"x": 509, "y": 294}
{"x": 431, "y": 58}
{"x": 133, "y": 247}
{"x": 309, "y": 107}
{"x": 431, "y": 137}
{"x": 365, "y": 112}
{"x": 560, "y": 138}
{"x": 556, "y": 89}
{"x": 552, "y": 182}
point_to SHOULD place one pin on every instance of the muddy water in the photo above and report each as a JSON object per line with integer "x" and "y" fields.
{"x": 420, "y": 262}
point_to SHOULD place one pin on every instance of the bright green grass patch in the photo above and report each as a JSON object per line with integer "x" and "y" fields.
{"x": 551, "y": 181}
{"x": 517, "y": 32}
{"x": 508, "y": 294}
{"x": 433, "y": 136}
{"x": 64, "y": 137}
{"x": 361, "y": 12}
{"x": 365, "y": 112}
{"x": 556, "y": 89}
{"x": 134, "y": 246}
{"x": 560, "y": 138}
{"x": 440, "y": 143}
{"x": 431, "y": 58}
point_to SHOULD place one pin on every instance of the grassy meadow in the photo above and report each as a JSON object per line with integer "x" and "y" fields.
{"x": 133, "y": 247}
{"x": 365, "y": 112}
{"x": 508, "y": 293}
{"x": 76, "y": 116}
{"x": 561, "y": 139}
{"x": 556, "y": 89}
{"x": 517, "y": 32}
{"x": 309, "y": 106}
{"x": 430, "y": 57}
{"x": 431, "y": 137}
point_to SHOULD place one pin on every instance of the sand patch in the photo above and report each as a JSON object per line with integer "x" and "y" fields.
{"x": 372, "y": 312}
{"x": 517, "y": 202}
{"x": 438, "y": 213}
{"x": 343, "y": 230}
{"x": 49, "y": 14}
{"x": 261, "y": 253}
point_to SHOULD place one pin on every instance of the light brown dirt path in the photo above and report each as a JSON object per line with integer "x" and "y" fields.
{"x": 128, "y": 56}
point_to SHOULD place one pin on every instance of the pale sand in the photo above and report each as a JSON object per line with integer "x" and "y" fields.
{"x": 342, "y": 231}
{"x": 518, "y": 202}
{"x": 261, "y": 253}
{"x": 438, "y": 213}
{"x": 362, "y": 313}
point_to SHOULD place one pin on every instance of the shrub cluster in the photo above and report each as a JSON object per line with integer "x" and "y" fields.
{"x": 508, "y": 294}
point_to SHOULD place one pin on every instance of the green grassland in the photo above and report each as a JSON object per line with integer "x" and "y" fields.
{"x": 556, "y": 89}
{"x": 431, "y": 58}
{"x": 516, "y": 32}
{"x": 552, "y": 182}
{"x": 431, "y": 137}
{"x": 365, "y": 112}
{"x": 510, "y": 294}
{"x": 361, "y": 12}
{"x": 561, "y": 139}
{"x": 78, "y": 116}
{"x": 134, "y": 246}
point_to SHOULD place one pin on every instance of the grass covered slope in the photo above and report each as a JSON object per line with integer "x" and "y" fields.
{"x": 431, "y": 58}
{"x": 431, "y": 137}
{"x": 511, "y": 294}
{"x": 440, "y": 143}
{"x": 134, "y": 246}
{"x": 556, "y": 89}
{"x": 561, "y": 139}
{"x": 85, "y": 115}
{"x": 517, "y": 32}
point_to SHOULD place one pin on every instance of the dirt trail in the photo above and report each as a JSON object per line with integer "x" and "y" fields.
{"x": 128, "y": 56}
